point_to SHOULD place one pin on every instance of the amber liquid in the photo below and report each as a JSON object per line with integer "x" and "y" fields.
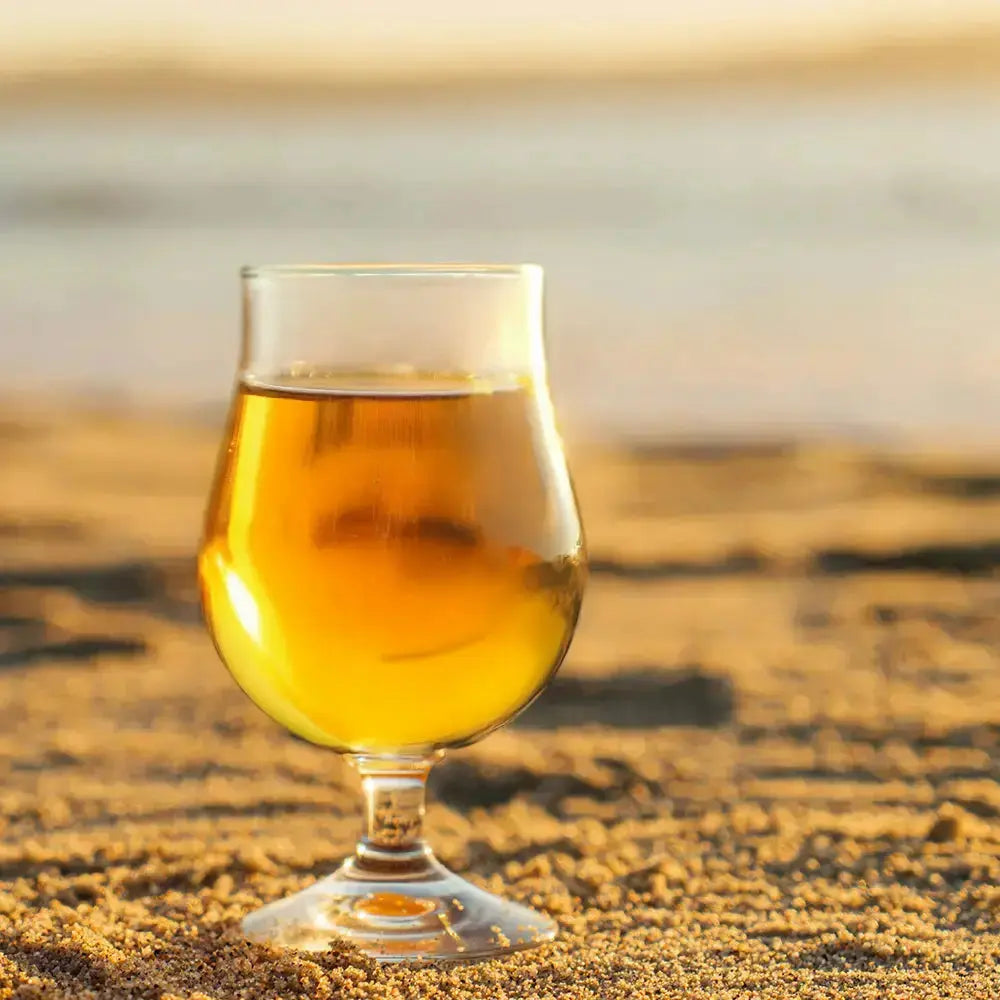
{"x": 394, "y": 562}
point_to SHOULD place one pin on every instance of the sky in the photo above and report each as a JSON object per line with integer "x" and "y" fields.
{"x": 308, "y": 34}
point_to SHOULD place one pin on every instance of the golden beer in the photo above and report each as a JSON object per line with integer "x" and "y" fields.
{"x": 391, "y": 562}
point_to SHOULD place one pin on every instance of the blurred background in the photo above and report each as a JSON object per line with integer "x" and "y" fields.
{"x": 757, "y": 216}
{"x": 771, "y": 230}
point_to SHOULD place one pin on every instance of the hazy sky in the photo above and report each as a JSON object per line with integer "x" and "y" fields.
{"x": 36, "y": 32}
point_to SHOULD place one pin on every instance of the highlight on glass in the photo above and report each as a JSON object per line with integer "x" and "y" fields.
{"x": 393, "y": 563}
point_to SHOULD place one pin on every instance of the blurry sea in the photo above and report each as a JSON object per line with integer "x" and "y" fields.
{"x": 718, "y": 262}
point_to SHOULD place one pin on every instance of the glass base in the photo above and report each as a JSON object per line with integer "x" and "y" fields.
{"x": 426, "y": 915}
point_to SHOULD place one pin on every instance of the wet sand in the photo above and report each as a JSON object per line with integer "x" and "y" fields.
{"x": 769, "y": 767}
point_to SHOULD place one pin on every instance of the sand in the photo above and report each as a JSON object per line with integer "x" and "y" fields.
{"x": 768, "y": 768}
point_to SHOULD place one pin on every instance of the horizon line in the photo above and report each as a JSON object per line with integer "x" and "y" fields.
{"x": 958, "y": 55}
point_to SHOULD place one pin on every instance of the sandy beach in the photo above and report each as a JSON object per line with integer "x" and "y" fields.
{"x": 768, "y": 767}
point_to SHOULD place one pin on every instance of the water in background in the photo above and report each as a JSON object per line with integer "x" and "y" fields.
{"x": 716, "y": 262}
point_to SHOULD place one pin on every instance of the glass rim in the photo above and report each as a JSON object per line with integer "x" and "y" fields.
{"x": 389, "y": 270}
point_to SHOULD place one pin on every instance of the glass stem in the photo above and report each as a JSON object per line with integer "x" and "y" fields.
{"x": 392, "y": 842}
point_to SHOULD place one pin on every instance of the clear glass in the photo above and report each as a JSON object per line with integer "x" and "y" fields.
{"x": 393, "y": 563}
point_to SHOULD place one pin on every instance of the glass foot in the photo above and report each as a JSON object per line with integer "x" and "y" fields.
{"x": 431, "y": 915}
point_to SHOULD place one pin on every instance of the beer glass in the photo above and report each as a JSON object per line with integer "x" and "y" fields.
{"x": 393, "y": 563}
